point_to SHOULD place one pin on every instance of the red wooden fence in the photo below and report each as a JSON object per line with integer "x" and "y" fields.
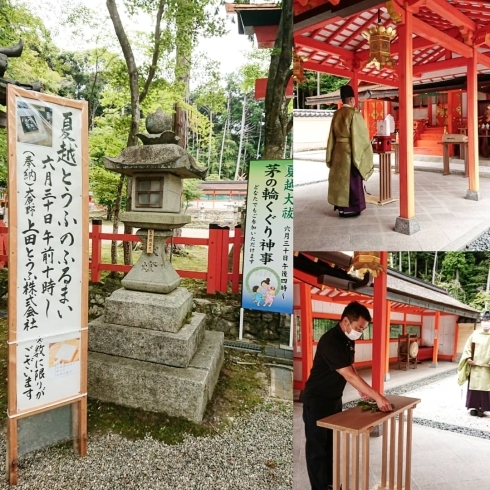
{"x": 217, "y": 275}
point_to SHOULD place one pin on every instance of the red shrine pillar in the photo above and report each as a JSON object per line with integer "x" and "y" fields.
{"x": 379, "y": 326}
{"x": 387, "y": 376}
{"x": 435, "y": 351}
{"x": 306, "y": 321}
{"x": 406, "y": 223}
{"x": 473, "y": 192}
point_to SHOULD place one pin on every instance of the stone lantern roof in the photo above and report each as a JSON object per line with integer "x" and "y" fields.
{"x": 156, "y": 159}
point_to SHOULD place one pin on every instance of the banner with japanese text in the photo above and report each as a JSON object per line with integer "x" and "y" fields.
{"x": 268, "y": 247}
{"x": 48, "y": 249}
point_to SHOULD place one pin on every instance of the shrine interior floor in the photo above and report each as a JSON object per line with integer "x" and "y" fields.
{"x": 441, "y": 460}
{"x": 448, "y": 221}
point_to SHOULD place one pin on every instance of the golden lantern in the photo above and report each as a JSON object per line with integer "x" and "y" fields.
{"x": 298, "y": 71}
{"x": 363, "y": 262}
{"x": 379, "y": 38}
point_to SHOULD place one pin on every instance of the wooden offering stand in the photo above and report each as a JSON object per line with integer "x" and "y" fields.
{"x": 351, "y": 433}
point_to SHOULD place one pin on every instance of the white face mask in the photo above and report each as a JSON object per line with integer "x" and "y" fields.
{"x": 353, "y": 334}
{"x": 486, "y": 326}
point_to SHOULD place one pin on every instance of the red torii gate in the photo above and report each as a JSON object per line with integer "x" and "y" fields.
{"x": 437, "y": 40}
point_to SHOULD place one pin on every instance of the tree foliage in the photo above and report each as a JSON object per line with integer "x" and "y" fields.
{"x": 463, "y": 274}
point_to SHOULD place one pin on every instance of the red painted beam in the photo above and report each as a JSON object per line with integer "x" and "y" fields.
{"x": 331, "y": 70}
{"x": 451, "y": 13}
{"x": 308, "y": 42}
{"x": 418, "y": 70}
{"x": 316, "y": 25}
{"x": 440, "y": 38}
{"x": 483, "y": 59}
{"x": 345, "y": 73}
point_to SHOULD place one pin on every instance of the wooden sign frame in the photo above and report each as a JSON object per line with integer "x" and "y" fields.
{"x": 78, "y": 401}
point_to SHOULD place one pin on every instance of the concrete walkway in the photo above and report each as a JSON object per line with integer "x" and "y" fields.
{"x": 447, "y": 220}
{"x": 441, "y": 460}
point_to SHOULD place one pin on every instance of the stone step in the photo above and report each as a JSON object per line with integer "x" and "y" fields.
{"x": 431, "y": 136}
{"x": 426, "y": 142}
{"x": 426, "y": 150}
{"x": 179, "y": 392}
{"x": 172, "y": 349}
{"x": 164, "y": 312}
{"x": 434, "y": 130}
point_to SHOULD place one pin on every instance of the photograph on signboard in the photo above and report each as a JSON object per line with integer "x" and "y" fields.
{"x": 34, "y": 123}
{"x": 64, "y": 358}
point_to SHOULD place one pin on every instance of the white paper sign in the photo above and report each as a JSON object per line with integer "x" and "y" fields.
{"x": 50, "y": 234}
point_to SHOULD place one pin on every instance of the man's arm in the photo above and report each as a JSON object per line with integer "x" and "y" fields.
{"x": 350, "y": 375}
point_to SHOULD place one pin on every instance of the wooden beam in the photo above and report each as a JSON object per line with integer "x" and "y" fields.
{"x": 326, "y": 68}
{"x": 450, "y": 13}
{"x": 418, "y": 70}
{"x": 346, "y": 73}
{"x": 303, "y": 27}
{"x": 482, "y": 36}
{"x": 413, "y": 6}
{"x": 440, "y": 38}
{"x": 483, "y": 59}
{"x": 319, "y": 46}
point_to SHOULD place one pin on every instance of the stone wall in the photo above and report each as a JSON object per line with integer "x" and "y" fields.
{"x": 223, "y": 315}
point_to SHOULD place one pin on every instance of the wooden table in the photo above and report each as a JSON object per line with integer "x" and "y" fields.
{"x": 351, "y": 432}
{"x": 385, "y": 176}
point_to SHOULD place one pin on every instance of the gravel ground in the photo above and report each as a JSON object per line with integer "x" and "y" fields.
{"x": 443, "y": 405}
{"x": 482, "y": 243}
{"x": 255, "y": 453}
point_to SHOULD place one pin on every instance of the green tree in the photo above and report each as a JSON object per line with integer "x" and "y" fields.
{"x": 309, "y": 88}
{"x": 190, "y": 192}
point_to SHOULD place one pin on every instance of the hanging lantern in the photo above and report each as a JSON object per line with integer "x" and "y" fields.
{"x": 379, "y": 38}
{"x": 298, "y": 71}
{"x": 363, "y": 262}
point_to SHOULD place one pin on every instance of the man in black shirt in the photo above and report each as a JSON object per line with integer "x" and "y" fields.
{"x": 333, "y": 367}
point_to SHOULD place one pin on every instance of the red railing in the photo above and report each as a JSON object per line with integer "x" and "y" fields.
{"x": 217, "y": 274}
{"x": 4, "y": 236}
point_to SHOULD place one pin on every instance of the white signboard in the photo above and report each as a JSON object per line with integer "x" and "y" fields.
{"x": 268, "y": 247}
{"x": 48, "y": 232}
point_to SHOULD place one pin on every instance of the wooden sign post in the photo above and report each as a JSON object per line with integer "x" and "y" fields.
{"x": 48, "y": 262}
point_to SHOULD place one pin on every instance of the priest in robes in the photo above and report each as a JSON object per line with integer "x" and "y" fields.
{"x": 349, "y": 157}
{"x": 474, "y": 367}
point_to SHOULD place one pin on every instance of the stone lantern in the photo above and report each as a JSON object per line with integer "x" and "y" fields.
{"x": 149, "y": 350}
{"x": 157, "y": 172}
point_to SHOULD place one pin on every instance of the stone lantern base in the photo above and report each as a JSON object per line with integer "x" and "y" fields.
{"x": 149, "y": 351}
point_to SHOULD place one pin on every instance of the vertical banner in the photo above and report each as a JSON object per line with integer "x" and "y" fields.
{"x": 48, "y": 251}
{"x": 268, "y": 248}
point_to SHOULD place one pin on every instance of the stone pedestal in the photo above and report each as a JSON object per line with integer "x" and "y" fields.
{"x": 153, "y": 272}
{"x": 149, "y": 351}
